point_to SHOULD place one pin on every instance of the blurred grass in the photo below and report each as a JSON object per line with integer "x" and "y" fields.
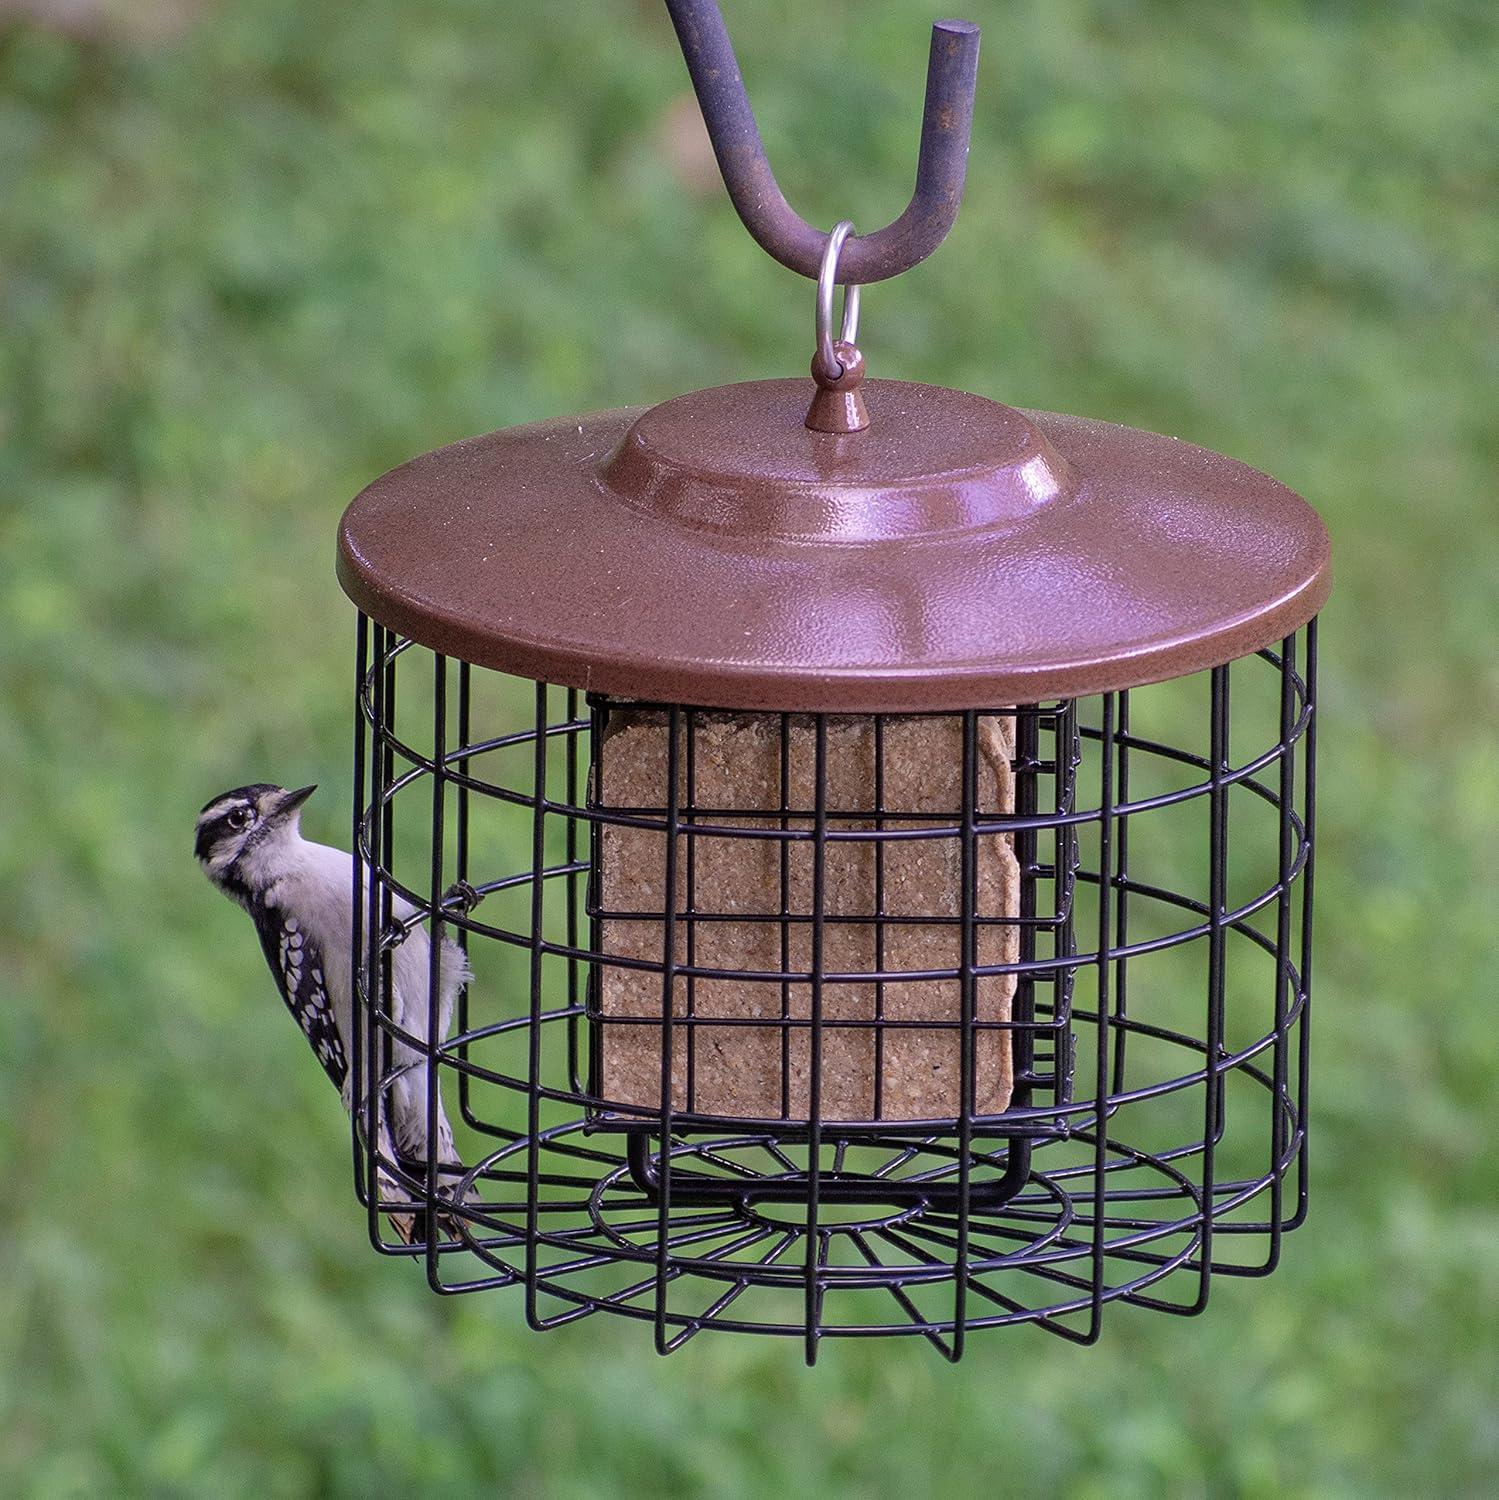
{"x": 250, "y": 264}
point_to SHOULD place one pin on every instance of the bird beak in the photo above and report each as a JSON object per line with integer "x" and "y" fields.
{"x": 289, "y": 802}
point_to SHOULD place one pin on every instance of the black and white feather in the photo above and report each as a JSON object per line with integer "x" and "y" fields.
{"x": 299, "y": 894}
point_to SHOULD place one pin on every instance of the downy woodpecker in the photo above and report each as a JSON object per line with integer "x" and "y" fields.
{"x": 300, "y": 896}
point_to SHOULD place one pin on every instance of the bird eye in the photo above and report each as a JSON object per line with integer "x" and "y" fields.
{"x": 240, "y": 817}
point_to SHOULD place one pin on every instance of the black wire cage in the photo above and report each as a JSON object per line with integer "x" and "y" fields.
{"x": 875, "y": 836}
{"x": 1153, "y": 1043}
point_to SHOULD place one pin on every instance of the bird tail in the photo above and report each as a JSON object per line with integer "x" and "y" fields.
{"x": 410, "y": 1148}
{"x": 418, "y": 1225}
{"x": 405, "y": 1224}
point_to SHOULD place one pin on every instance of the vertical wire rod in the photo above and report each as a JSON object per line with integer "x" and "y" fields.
{"x": 382, "y": 845}
{"x": 367, "y": 1101}
{"x": 690, "y": 924}
{"x": 575, "y": 799}
{"x": 663, "y": 1274}
{"x": 533, "y": 1030}
{"x": 879, "y": 912}
{"x": 815, "y": 1237}
{"x": 1309, "y": 814}
{"x": 1121, "y": 891}
{"x": 434, "y": 957}
{"x": 1107, "y": 744}
{"x": 1286, "y": 854}
{"x": 785, "y": 914}
{"x": 460, "y": 854}
{"x": 967, "y": 962}
{"x": 941, "y": 164}
{"x": 358, "y": 980}
{"x": 1213, "y": 1102}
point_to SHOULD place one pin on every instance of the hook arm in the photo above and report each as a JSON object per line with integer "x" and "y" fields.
{"x": 942, "y": 161}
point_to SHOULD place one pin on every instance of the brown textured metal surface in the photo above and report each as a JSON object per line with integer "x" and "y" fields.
{"x": 714, "y": 551}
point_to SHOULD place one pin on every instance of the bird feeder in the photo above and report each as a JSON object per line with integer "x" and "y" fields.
{"x": 879, "y": 821}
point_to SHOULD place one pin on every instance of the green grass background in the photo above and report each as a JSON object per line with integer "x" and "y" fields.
{"x": 250, "y": 262}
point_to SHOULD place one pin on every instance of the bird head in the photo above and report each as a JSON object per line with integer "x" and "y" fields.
{"x": 239, "y": 833}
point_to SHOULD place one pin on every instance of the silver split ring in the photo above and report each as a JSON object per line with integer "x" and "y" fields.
{"x": 827, "y": 279}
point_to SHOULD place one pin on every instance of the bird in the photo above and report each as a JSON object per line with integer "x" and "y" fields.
{"x": 299, "y": 894}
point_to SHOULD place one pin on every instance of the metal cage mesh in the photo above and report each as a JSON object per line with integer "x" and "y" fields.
{"x": 1155, "y": 1129}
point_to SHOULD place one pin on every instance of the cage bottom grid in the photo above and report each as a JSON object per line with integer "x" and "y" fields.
{"x": 575, "y": 1229}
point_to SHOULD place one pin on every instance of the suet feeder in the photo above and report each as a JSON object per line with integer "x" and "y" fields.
{"x": 891, "y": 908}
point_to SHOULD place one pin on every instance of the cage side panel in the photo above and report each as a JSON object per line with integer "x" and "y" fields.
{"x": 1145, "y": 1174}
{"x": 739, "y": 893}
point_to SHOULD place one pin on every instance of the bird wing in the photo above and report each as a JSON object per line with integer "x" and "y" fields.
{"x": 297, "y": 963}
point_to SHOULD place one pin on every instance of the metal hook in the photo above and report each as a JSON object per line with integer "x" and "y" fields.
{"x": 941, "y": 166}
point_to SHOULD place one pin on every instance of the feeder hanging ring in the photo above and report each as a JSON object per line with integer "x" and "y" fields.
{"x": 828, "y": 364}
{"x": 838, "y": 368}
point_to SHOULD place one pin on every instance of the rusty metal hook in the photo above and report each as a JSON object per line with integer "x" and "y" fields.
{"x": 942, "y": 161}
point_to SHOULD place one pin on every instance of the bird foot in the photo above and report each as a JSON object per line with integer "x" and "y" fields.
{"x": 460, "y": 898}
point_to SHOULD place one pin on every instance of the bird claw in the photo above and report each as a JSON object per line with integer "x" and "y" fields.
{"x": 398, "y": 929}
{"x": 460, "y": 898}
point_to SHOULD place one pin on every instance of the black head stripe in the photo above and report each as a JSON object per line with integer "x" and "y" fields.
{"x": 210, "y": 833}
{"x": 251, "y": 794}
{"x": 213, "y": 819}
